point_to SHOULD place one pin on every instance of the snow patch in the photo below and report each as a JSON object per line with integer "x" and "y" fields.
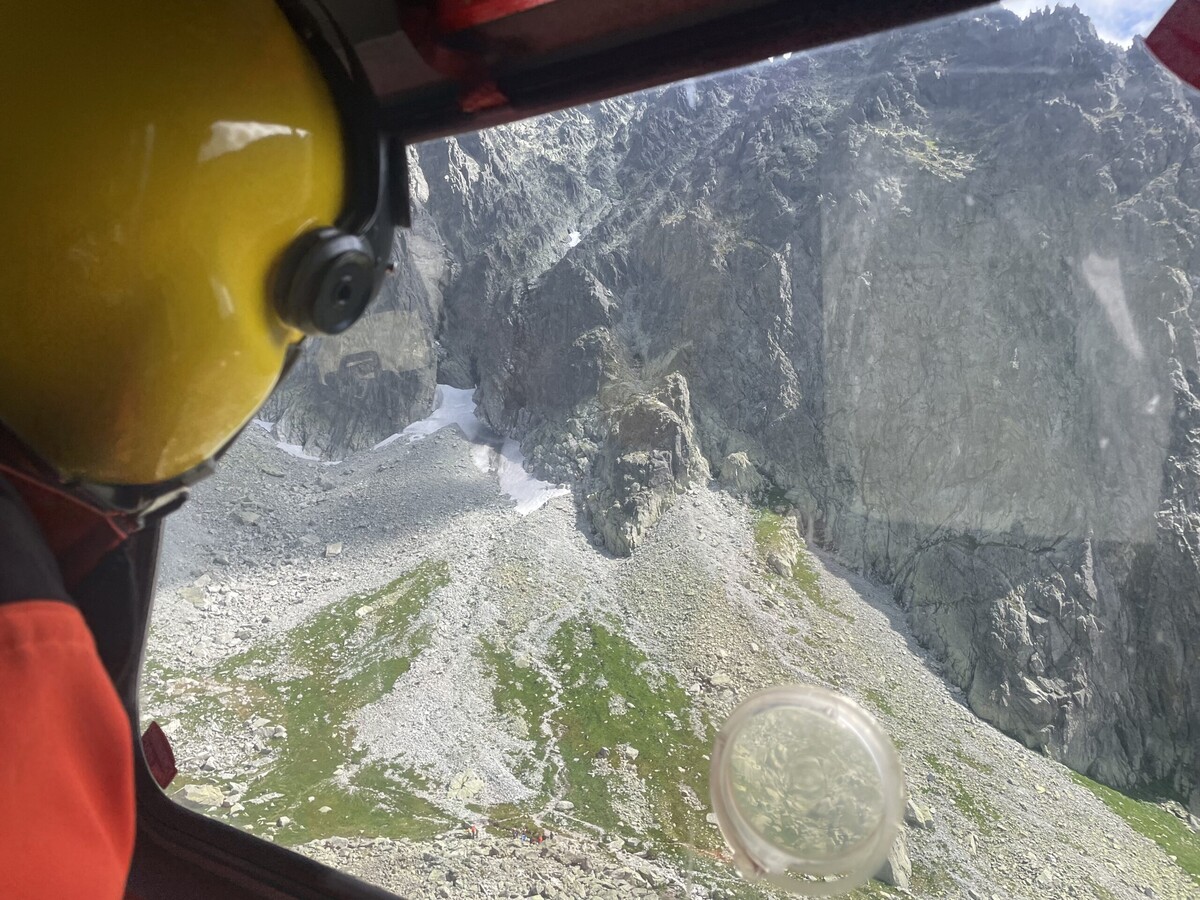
{"x": 388, "y": 441}
{"x": 481, "y": 455}
{"x": 690, "y": 94}
{"x": 489, "y": 452}
{"x": 295, "y": 450}
{"x": 451, "y": 406}
{"x": 573, "y": 238}
{"x": 529, "y": 492}
{"x": 263, "y": 424}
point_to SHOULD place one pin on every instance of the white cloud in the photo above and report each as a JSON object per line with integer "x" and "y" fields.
{"x": 1115, "y": 20}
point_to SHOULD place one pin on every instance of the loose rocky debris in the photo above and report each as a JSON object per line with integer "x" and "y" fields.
{"x": 497, "y": 864}
{"x": 461, "y": 738}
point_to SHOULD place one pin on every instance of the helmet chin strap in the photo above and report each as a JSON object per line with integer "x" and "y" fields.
{"x": 78, "y": 531}
{"x": 83, "y": 521}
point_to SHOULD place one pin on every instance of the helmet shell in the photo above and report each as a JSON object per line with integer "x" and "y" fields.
{"x": 156, "y": 160}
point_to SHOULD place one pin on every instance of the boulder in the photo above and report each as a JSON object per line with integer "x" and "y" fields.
{"x": 917, "y": 815}
{"x": 897, "y": 868}
{"x": 200, "y": 796}
{"x": 465, "y": 786}
{"x": 739, "y": 475}
{"x": 780, "y": 563}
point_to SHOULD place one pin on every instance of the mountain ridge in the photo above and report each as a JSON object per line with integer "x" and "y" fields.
{"x": 934, "y": 287}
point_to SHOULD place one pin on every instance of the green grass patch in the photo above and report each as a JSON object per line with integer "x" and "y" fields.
{"x": 804, "y": 576}
{"x": 525, "y": 695}
{"x": 879, "y": 700}
{"x": 203, "y": 705}
{"x": 1152, "y": 821}
{"x": 505, "y": 816}
{"x": 596, "y": 664}
{"x": 521, "y": 690}
{"x": 774, "y": 533}
{"x": 770, "y": 532}
{"x": 1099, "y": 891}
{"x": 927, "y": 881}
{"x": 312, "y": 680}
{"x": 974, "y": 808}
{"x": 977, "y": 764}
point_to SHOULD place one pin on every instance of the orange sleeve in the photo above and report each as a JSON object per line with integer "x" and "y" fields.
{"x": 66, "y": 760}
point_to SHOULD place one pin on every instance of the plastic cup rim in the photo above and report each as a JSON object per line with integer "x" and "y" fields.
{"x": 758, "y": 857}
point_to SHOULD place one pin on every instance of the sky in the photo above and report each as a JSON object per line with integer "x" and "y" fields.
{"x": 1115, "y": 20}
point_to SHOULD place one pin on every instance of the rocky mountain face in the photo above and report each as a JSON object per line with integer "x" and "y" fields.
{"x": 348, "y": 392}
{"x": 935, "y": 288}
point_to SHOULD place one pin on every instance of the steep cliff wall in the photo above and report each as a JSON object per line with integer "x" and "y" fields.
{"x": 348, "y": 392}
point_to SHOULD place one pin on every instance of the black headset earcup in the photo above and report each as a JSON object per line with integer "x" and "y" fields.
{"x": 325, "y": 281}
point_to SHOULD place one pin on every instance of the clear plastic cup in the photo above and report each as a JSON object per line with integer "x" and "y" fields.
{"x": 807, "y": 789}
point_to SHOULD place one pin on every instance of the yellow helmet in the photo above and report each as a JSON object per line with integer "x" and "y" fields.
{"x": 190, "y": 186}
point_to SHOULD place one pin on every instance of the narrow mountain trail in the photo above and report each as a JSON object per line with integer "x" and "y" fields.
{"x": 541, "y": 631}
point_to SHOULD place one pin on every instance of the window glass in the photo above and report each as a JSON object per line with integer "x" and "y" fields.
{"x": 873, "y": 368}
